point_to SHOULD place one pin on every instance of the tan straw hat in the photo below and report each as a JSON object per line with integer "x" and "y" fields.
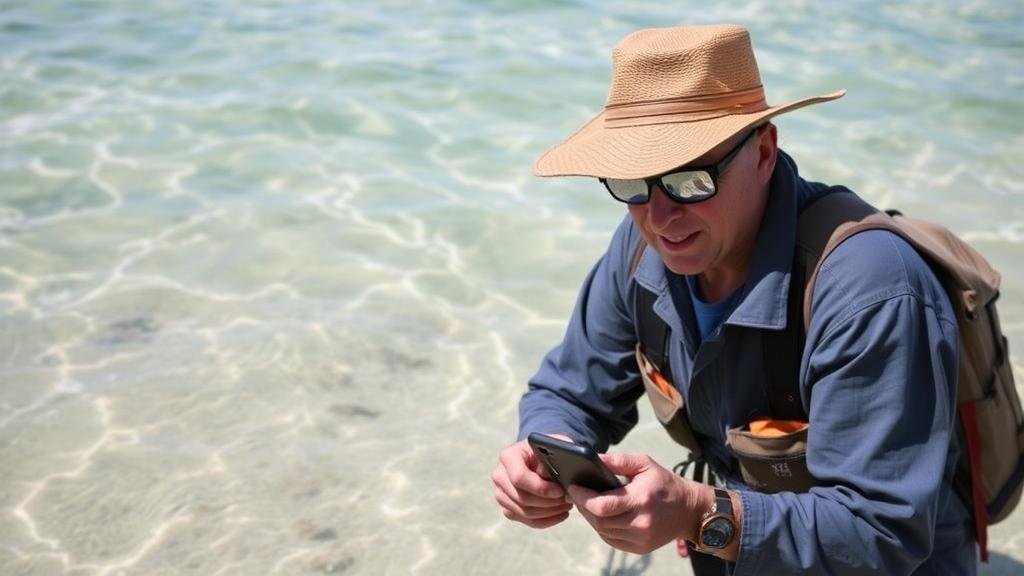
{"x": 676, "y": 94}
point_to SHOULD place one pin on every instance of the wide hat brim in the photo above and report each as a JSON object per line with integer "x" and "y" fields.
{"x": 646, "y": 150}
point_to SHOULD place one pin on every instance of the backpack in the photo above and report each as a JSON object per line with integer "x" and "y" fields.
{"x": 990, "y": 474}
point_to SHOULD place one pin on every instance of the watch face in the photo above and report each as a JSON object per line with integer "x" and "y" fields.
{"x": 717, "y": 533}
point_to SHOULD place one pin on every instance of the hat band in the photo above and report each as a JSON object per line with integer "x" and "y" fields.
{"x": 686, "y": 109}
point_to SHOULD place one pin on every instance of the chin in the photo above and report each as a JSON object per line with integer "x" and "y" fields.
{"x": 684, "y": 266}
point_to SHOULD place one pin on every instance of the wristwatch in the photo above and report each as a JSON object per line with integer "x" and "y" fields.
{"x": 718, "y": 527}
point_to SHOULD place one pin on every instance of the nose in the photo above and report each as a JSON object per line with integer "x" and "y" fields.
{"x": 662, "y": 211}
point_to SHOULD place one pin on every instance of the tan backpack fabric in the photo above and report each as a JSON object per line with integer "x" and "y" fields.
{"x": 991, "y": 476}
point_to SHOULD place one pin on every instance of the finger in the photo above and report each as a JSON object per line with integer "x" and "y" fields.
{"x": 526, "y": 479}
{"x": 528, "y": 502}
{"x": 539, "y": 501}
{"x": 526, "y": 510}
{"x": 525, "y": 498}
{"x": 579, "y": 493}
{"x": 516, "y": 511}
{"x": 503, "y": 482}
{"x": 626, "y": 464}
{"x": 542, "y": 523}
{"x": 604, "y": 504}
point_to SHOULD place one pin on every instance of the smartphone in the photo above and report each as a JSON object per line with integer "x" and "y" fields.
{"x": 569, "y": 463}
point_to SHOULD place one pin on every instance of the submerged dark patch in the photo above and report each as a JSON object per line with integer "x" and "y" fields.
{"x": 127, "y": 331}
{"x": 354, "y": 410}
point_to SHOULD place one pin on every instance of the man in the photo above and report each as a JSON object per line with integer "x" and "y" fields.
{"x": 685, "y": 139}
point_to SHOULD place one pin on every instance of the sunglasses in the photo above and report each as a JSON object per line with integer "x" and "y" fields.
{"x": 689, "y": 185}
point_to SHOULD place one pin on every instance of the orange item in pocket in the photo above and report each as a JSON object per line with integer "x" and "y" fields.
{"x": 768, "y": 428}
{"x": 661, "y": 383}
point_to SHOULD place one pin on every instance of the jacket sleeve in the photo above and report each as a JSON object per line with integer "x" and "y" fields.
{"x": 879, "y": 380}
{"x": 587, "y": 386}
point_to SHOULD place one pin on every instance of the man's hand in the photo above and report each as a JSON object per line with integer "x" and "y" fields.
{"x": 654, "y": 508}
{"x": 522, "y": 493}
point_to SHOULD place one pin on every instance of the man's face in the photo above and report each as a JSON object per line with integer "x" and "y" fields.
{"x": 714, "y": 239}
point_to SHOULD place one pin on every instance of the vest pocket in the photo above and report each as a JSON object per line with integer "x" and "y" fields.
{"x": 667, "y": 403}
{"x": 772, "y": 464}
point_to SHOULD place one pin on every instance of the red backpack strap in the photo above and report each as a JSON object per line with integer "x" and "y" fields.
{"x": 973, "y": 439}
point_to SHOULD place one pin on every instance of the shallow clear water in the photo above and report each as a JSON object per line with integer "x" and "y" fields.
{"x": 273, "y": 275}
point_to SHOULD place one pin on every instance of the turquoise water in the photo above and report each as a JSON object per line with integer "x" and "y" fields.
{"x": 273, "y": 274}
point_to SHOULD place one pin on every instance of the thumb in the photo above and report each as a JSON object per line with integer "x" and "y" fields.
{"x": 626, "y": 464}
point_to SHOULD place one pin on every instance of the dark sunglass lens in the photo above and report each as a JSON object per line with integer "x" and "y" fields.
{"x": 632, "y": 191}
{"x": 689, "y": 186}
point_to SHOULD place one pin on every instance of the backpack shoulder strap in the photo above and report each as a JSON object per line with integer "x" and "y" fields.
{"x": 824, "y": 225}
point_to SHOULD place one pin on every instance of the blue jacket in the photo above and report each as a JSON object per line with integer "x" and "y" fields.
{"x": 877, "y": 378}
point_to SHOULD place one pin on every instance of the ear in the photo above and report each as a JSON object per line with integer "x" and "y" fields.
{"x": 767, "y": 153}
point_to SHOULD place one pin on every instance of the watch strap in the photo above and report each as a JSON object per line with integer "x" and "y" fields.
{"x": 723, "y": 503}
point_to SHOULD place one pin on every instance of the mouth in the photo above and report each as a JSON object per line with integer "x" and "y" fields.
{"x": 679, "y": 242}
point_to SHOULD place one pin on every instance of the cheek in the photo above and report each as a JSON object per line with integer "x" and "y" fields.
{"x": 721, "y": 218}
{"x": 637, "y": 211}
{"x": 639, "y": 214}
